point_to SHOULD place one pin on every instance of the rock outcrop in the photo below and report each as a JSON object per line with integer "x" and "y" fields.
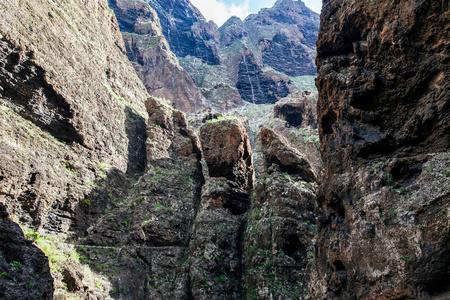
{"x": 384, "y": 113}
{"x": 216, "y": 247}
{"x": 72, "y": 118}
{"x": 153, "y": 222}
{"x": 227, "y": 152}
{"x": 24, "y": 270}
{"x": 156, "y": 65}
{"x": 277, "y": 150}
{"x": 281, "y": 225}
{"x": 298, "y": 110}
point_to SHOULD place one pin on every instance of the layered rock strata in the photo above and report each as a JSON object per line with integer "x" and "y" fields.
{"x": 383, "y": 230}
{"x": 257, "y": 57}
{"x": 153, "y": 223}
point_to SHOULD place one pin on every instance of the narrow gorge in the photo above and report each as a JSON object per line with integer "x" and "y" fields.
{"x": 147, "y": 153}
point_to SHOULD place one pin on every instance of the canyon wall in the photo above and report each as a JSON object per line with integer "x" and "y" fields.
{"x": 384, "y": 112}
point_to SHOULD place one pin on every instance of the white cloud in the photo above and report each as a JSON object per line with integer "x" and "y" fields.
{"x": 219, "y": 12}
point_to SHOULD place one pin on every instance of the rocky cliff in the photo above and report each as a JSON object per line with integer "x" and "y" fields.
{"x": 156, "y": 65}
{"x": 265, "y": 56}
{"x": 102, "y": 188}
{"x": 107, "y": 192}
{"x": 187, "y": 31}
{"x": 72, "y": 127}
{"x": 383, "y": 205}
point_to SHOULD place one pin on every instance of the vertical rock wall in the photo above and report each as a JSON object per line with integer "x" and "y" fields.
{"x": 384, "y": 112}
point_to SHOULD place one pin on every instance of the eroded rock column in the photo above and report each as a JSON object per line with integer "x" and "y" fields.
{"x": 281, "y": 223}
{"x": 216, "y": 245}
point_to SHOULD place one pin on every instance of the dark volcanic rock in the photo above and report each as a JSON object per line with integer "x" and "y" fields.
{"x": 286, "y": 35}
{"x": 232, "y": 31}
{"x": 187, "y": 31}
{"x": 154, "y": 221}
{"x": 216, "y": 270}
{"x": 260, "y": 87}
{"x": 72, "y": 138}
{"x": 279, "y": 236}
{"x": 384, "y": 115}
{"x": 258, "y": 55}
{"x": 24, "y": 270}
{"x": 152, "y": 59}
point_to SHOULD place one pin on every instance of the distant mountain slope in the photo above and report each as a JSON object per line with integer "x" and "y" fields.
{"x": 258, "y": 60}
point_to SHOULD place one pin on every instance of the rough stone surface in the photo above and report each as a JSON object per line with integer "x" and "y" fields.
{"x": 227, "y": 152}
{"x": 277, "y": 150}
{"x": 260, "y": 87}
{"x": 73, "y": 131}
{"x": 187, "y": 31}
{"x": 258, "y": 55}
{"x": 222, "y": 97}
{"x": 216, "y": 270}
{"x": 154, "y": 221}
{"x": 156, "y": 65}
{"x": 286, "y": 36}
{"x": 24, "y": 270}
{"x": 279, "y": 236}
{"x": 216, "y": 247}
{"x": 298, "y": 110}
{"x": 383, "y": 230}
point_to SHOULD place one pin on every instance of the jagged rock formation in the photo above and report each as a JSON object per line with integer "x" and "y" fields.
{"x": 228, "y": 153}
{"x": 216, "y": 270}
{"x": 286, "y": 36}
{"x": 254, "y": 58}
{"x": 277, "y": 150}
{"x": 153, "y": 223}
{"x": 156, "y": 65}
{"x": 297, "y": 110}
{"x": 187, "y": 31}
{"x": 384, "y": 113}
{"x": 72, "y": 121}
{"x": 260, "y": 87}
{"x": 261, "y": 55}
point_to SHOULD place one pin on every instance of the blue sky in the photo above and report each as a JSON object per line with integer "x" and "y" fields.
{"x": 220, "y": 10}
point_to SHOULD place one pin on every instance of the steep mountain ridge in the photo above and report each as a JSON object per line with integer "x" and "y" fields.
{"x": 155, "y": 64}
{"x": 253, "y": 58}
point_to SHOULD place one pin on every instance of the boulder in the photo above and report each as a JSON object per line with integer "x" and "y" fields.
{"x": 277, "y": 150}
